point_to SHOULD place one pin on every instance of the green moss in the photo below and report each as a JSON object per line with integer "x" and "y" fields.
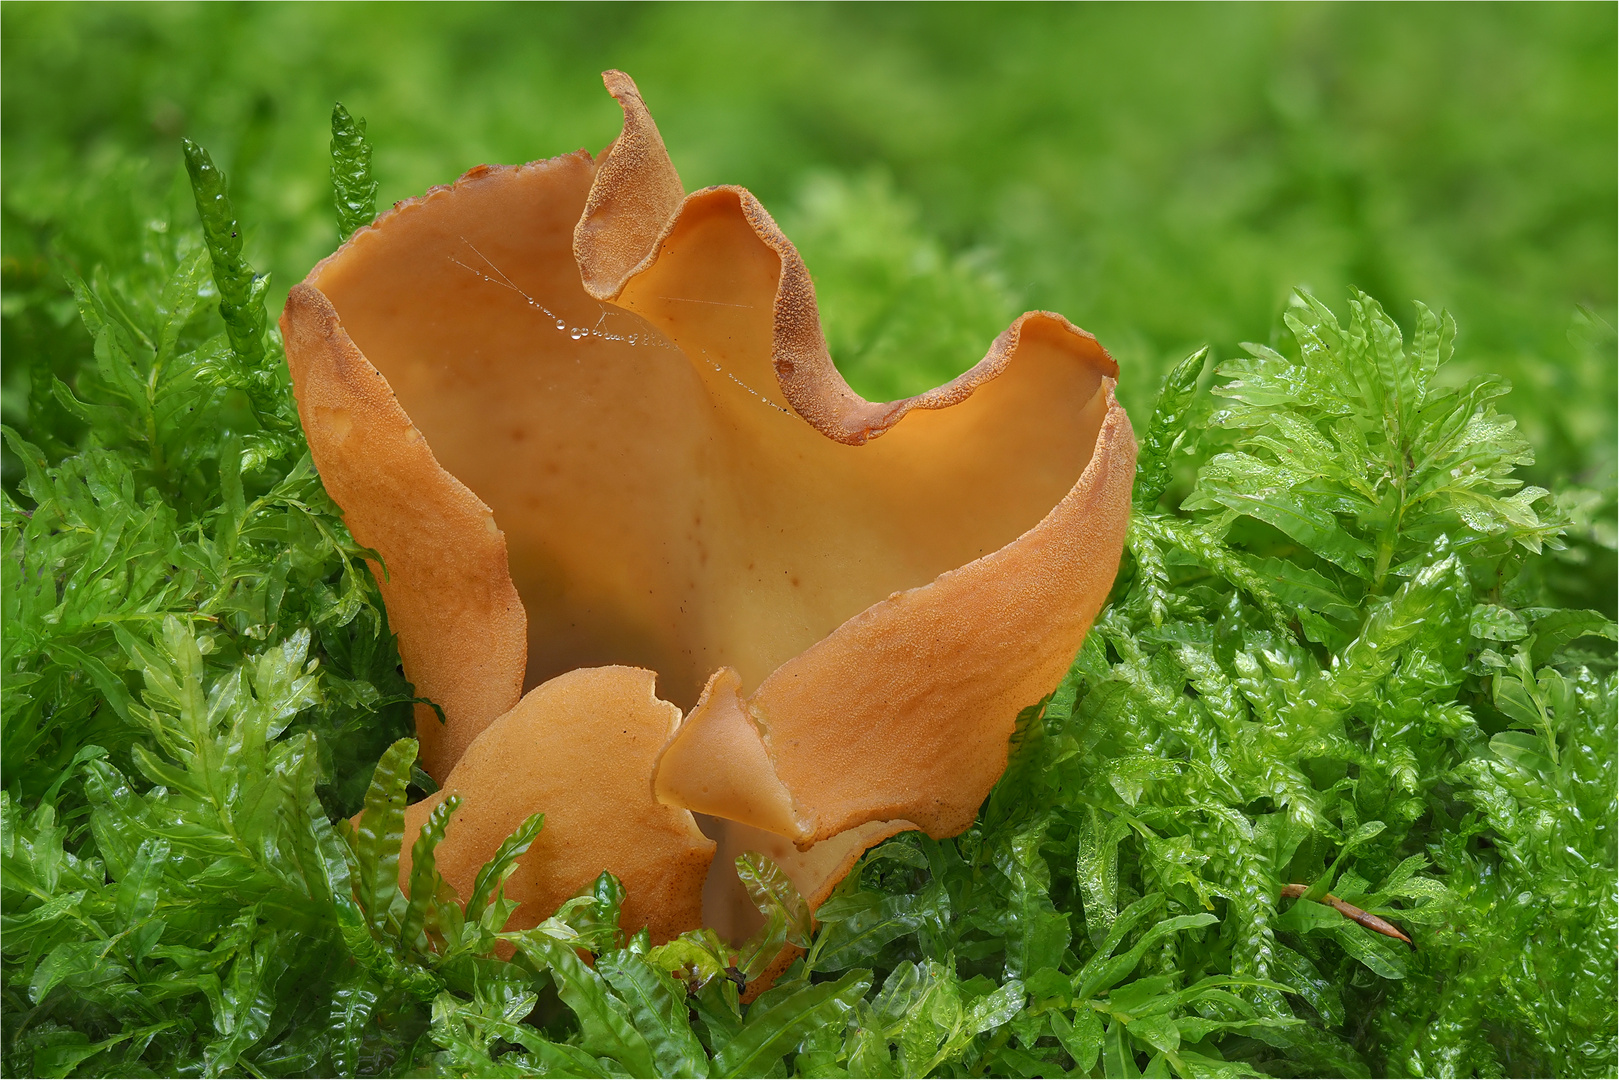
{"x": 1350, "y": 646}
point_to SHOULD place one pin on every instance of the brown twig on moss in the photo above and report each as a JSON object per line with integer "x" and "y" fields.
{"x": 1350, "y": 911}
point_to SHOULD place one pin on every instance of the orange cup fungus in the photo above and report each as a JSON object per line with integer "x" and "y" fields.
{"x": 591, "y": 426}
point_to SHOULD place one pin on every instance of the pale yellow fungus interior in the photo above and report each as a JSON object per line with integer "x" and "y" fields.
{"x": 663, "y": 505}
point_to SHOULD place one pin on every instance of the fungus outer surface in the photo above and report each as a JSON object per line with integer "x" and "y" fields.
{"x": 578, "y": 749}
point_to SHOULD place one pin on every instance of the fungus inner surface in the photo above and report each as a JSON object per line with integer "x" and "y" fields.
{"x": 663, "y": 504}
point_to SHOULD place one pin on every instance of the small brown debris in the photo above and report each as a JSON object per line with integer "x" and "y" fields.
{"x": 1371, "y": 922}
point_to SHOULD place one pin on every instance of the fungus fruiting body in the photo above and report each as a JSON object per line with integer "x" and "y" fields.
{"x": 590, "y": 422}
{"x": 581, "y": 747}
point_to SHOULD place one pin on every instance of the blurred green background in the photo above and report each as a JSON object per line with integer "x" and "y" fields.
{"x": 1161, "y": 174}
